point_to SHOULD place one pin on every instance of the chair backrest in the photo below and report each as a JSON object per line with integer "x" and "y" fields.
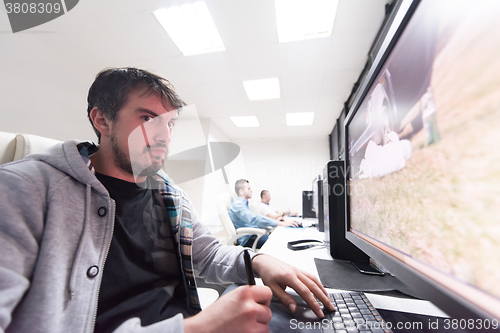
{"x": 29, "y": 144}
{"x": 224, "y": 200}
{"x": 255, "y": 206}
{"x": 14, "y": 146}
{"x": 7, "y": 147}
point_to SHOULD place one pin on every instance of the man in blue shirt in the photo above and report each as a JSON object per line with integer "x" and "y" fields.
{"x": 243, "y": 216}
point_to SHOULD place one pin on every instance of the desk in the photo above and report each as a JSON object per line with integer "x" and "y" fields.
{"x": 304, "y": 259}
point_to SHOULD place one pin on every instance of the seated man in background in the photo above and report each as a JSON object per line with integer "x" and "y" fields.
{"x": 243, "y": 216}
{"x": 268, "y": 210}
{"x": 94, "y": 239}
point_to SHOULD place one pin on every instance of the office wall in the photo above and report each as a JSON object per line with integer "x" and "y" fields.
{"x": 284, "y": 167}
{"x": 43, "y": 93}
{"x": 190, "y": 132}
{"x": 187, "y": 134}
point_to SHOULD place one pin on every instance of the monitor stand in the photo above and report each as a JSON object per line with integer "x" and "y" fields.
{"x": 366, "y": 268}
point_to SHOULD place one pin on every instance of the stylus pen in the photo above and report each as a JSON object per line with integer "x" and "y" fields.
{"x": 249, "y": 268}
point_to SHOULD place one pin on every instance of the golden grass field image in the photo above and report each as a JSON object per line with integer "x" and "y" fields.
{"x": 443, "y": 207}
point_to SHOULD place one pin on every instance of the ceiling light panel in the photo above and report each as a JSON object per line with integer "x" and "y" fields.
{"x": 245, "y": 121}
{"x": 262, "y": 89}
{"x": 191, "y": 28}
{"x": 299, "y": 118}
{"x": 304, "y": 19}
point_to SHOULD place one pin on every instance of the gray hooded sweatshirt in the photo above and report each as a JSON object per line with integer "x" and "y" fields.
{"x": 56, "y": 226}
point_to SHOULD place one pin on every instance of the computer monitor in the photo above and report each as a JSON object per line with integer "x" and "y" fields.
{"x": 307, "y": 202}
{"x": 314, "y": 188}
{"x": 334, "y": 201}
{"x": 334, "y": 143}
{"x": 317, "y": 207}
{"x": 423, "y": 164}
{"x": 341, "y": 133}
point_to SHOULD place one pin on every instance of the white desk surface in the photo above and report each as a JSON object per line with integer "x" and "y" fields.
{"x": 276, "y": 246}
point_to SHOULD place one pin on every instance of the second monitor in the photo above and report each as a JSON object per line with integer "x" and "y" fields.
{"x": 334, "y": 207}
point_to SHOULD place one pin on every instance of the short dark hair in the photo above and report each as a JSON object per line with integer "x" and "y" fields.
{"x": 112, "y": 86}
{"x": 240, "y": 185}
{"x": 263, "y": 192}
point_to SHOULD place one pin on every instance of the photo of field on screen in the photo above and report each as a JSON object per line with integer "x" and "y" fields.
{"x": 423, "y": 146}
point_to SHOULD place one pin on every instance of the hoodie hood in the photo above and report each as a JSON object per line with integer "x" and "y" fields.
{"x": 66, "y": 158}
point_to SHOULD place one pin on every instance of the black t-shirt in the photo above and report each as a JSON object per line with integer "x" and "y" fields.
{"x": 141, "y": 277}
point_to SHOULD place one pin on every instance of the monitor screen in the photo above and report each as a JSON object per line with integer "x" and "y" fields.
{"x": 315, "y": 192}
{"x": 334, "y": 144}
{"x": 341, "y": 132}
{"x": 423, "y": 159}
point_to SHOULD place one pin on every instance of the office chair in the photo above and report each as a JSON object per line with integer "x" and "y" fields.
{"x": 14, "y": 147}
{"x": 255, "y": 206}
{"x": 7, "y": 147}
{"x": 223, "y": 202}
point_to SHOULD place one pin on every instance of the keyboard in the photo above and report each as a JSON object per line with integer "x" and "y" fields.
{"x": 353, "y": 313}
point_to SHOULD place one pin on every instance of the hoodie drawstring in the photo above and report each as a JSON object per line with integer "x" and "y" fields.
{"x": 79, "y": 250}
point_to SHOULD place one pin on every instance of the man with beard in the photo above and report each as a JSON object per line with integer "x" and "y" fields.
{"x": 94, "y": 238}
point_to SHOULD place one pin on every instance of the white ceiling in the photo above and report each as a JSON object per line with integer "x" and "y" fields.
{"x": 315, "y": 75}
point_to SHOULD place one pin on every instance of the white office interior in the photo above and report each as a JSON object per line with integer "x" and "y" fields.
{"x": 283, "y": 137}
{"x": 46, "y": 72}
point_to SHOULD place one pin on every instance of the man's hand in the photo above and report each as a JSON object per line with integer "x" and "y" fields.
{"x": 291, "y": 223}
{"x": 277, "y": 275}
{"x": 245, "y": 309}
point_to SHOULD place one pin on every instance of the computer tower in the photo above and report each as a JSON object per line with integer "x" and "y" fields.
{"x": 334, "y": 205}
{"x": 307, "y": 204}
